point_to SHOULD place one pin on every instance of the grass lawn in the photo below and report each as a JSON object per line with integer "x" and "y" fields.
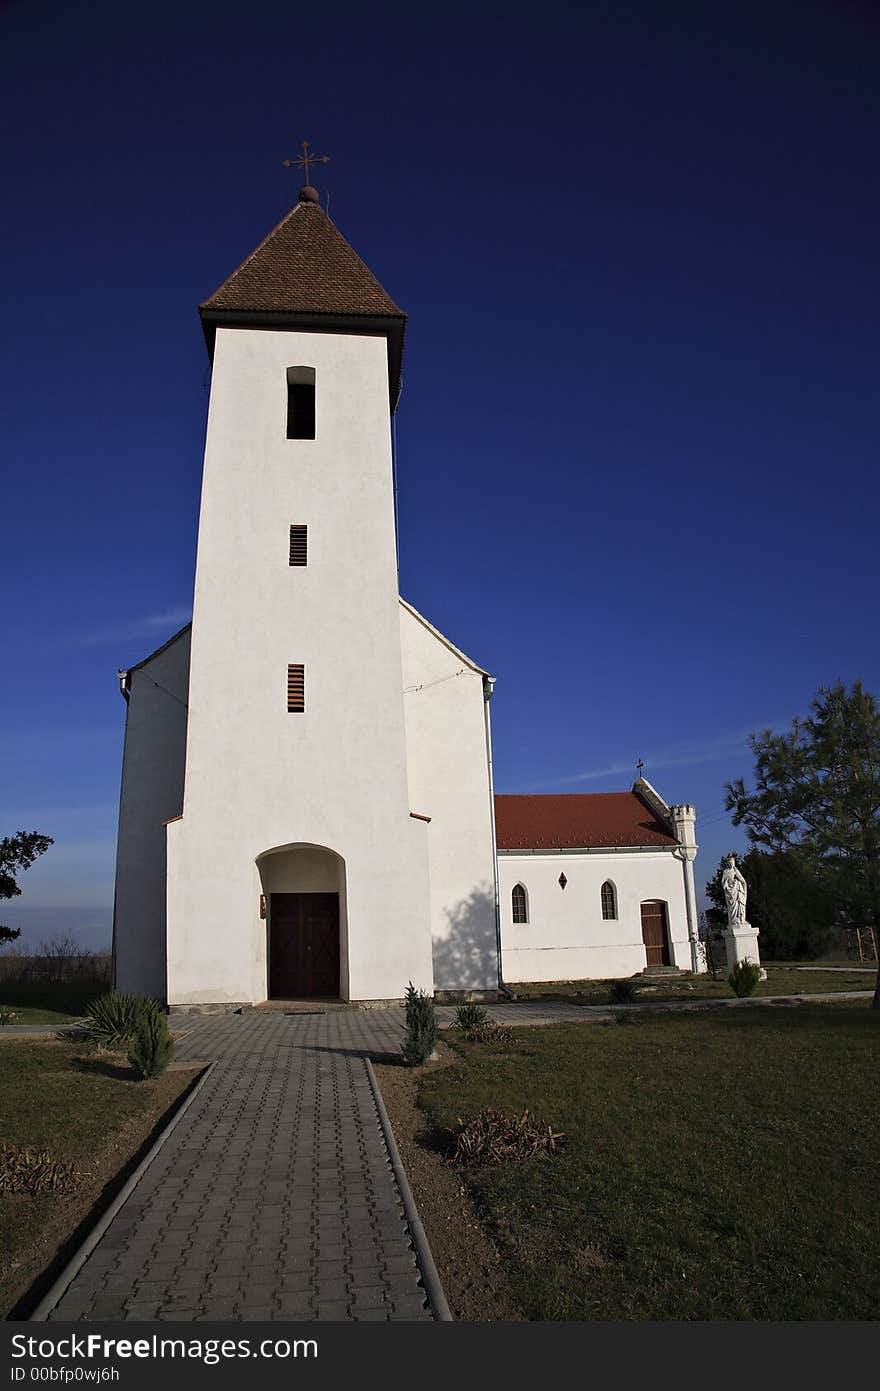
{"x": 88, "y": 1110}
{"x": 782, "y": 979}
{"x": 34, "y": 1003}
{"x": 718, "y": 1166}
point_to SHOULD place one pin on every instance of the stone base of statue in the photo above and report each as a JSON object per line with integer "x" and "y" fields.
{"x": 741, "y": 944}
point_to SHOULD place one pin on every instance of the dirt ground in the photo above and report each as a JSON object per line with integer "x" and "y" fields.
{"x": 25, "y": 1279}
{"x": 468, "y": 1263}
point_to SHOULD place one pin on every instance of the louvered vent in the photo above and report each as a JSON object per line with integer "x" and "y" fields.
{"x": 298, "y": 545}
{"x": 296, "y": 688}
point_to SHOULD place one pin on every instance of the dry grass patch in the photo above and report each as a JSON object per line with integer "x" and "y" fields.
{"x": 71, "y": 1120}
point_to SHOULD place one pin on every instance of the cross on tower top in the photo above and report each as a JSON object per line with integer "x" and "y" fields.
{"x": 305, "y": 161}
{"x": 639, "y": 766}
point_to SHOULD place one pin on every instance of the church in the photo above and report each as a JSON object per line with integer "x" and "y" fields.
{"x": 307, "y": 805}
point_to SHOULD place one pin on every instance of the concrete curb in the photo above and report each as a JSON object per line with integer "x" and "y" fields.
{"x": 433, "y": 1287}
{"x": 576, "y": 1014}
{"x": 73, "y": 1026}
{"x": 78, "y": 1260}
{"x": 749, "y": 1001}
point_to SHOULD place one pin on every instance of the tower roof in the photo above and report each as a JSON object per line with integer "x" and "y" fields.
{"x": 305, "y": 275}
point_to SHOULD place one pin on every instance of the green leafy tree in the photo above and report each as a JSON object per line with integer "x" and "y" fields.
{"x": 17, "y": 853}
{"x": 817, "y": 799}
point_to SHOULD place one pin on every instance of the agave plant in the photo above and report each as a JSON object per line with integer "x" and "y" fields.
{"x": 470, "y": 1018}
{"x": 112, "y": 1019}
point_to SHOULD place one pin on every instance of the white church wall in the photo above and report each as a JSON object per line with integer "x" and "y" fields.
{"x": 448, "y": 771}
{"x": 258, "y": 777}
{"x": 566, "y": 937}
{"x": 152, "y": 793}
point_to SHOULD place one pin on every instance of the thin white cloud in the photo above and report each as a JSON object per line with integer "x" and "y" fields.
{"x": 150, "y": 626}
{"x": 27, "y": 812}
{"x": 682, "y": 755}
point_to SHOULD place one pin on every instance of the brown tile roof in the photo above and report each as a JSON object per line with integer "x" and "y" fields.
{"x": 304, "y": 266}
{"x": 574, "y": 821}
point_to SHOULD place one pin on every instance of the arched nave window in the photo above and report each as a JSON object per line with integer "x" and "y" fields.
{"x": 519, "y": 903}
{"x": 609, "y": 900}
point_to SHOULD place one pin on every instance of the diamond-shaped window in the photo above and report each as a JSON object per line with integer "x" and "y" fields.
{"x": 562, "y": 881}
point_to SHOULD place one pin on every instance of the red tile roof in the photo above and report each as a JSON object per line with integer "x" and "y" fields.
{"x": 304, "y": 266}
{"x": 573, "y": 821}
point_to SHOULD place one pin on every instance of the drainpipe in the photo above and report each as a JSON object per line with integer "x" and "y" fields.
{"x": 488, "y": 692}
{"x": 124, "y": 678}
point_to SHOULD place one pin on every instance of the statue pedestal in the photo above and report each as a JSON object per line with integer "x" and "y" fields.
{"x": 741, "y": 944}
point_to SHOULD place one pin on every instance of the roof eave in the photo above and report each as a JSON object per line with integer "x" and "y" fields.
{"x": 179, "y": 634}
{"x": 392, "y": 327}
{"x": 420, "y": 617}
{"x": 585, "y": 849}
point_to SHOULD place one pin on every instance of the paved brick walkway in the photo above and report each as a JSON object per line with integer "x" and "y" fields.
{"x": 274, "y": 1197}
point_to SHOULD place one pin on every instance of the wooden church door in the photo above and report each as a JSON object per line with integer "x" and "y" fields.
{"x": 304, "y": 946}
{"x": 655, "y": 934}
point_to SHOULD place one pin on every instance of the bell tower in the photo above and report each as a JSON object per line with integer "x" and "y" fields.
{"x": 296, "y": 867}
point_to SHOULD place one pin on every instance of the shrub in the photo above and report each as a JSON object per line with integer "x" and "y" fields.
{"x": 628, "y": 1018}
{"x": 623, "y": 992}
{"x": 469, "y": 1018}
{"x": 493, "y": 1138}
{"x": 483, "y": 1029}
{"x": 151, "y": 1045}
{"x": 6, "y": 1015}
{"x": 111, "y": 1019}
{"x": 744, "y": 978}
{"x": 28, "y": 1171}
{"x": 492, "y": 1032}
{"x": 421, "y": 1027}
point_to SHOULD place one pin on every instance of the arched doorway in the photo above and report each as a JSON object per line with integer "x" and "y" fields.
{"x": 306, "y": 946}
{"x": 655, "y": 933}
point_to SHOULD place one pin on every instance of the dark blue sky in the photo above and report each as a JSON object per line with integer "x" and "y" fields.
{"x": 638, "y": 244}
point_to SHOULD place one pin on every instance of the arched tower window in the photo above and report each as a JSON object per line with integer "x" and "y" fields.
{"x": 520, "y": 906}
{"x": 609, "y": 900}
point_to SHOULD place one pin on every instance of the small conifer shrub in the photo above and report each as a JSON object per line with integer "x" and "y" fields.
{"x": 421, "y": 1027}
{"x": 623, "y": 992}
{"x": 152, "y": 1046}
{"x": 744, "y": 978}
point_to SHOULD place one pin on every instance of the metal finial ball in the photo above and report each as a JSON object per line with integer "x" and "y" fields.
{"x": 308, "y": 194}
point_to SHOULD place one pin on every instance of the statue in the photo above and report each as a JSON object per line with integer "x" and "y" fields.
{"x": 734, "y": 886}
